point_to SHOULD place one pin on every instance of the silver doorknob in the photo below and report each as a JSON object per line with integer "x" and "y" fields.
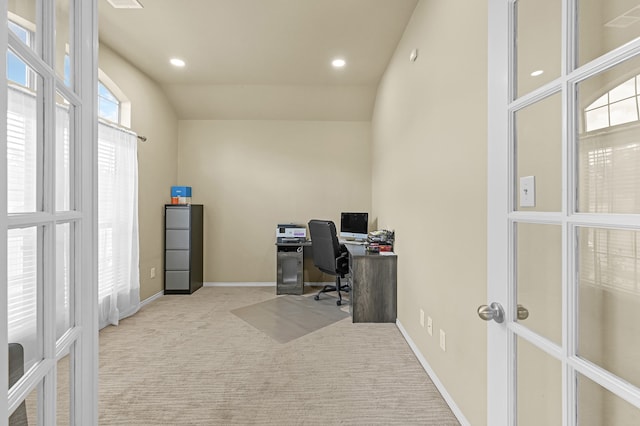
{"x": 523, "y": 313}
{"x": 491, "y": 312}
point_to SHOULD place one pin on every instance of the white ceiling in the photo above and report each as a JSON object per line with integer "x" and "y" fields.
{"x": 261, "y": 59}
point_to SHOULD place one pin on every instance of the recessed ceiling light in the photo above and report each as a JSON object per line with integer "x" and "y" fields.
{"x": 537, "y": 73}
{"x": 177, "y": 62}
{"x": 338, "y": 63}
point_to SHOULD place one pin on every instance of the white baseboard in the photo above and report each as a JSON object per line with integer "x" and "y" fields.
{"x": 443, "y": 391}
{"x": 238, "y": 284}
{"x": 152, "y": 298}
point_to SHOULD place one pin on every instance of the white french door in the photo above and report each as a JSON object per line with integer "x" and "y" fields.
{"x": 48, "y": 316}
{"x": 564, "y": 213}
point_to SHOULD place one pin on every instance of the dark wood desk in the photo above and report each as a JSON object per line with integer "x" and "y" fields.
{"x": 372, "y": 285}
{"x": 372, "y": 280}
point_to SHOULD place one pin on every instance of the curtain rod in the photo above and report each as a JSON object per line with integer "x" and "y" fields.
{"x": 121, "y": 128}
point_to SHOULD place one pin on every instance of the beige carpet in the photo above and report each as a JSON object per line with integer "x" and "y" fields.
{"x": 188, "y": 360}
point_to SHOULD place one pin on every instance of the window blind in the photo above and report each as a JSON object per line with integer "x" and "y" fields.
{"x": 608, "y": 177}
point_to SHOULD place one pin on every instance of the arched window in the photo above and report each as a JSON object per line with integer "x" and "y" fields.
{"x": 17, "y": 71}
{"x": 113, "y": 104}
{"x": 108, "y": 104}
{"x": 618, "y": 106}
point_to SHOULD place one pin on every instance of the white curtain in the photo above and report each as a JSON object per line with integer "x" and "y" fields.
{"x": 118, "y": 248}
{"x": 119, "y": 285}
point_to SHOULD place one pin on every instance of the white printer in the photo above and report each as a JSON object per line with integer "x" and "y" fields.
{"x": 290, "y": 233}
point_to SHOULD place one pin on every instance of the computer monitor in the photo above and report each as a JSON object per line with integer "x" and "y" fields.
{"x": 354, "y": 226}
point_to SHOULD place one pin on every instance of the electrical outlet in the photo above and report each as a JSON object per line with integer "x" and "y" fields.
{"x": 421, "y": 318}
{"x": 430, "y": 326}
{"x": 152, "y": 274}
{"x": 443, "y": 340}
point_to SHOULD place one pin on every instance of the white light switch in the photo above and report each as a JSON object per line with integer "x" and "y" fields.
{"x": 528, "y": 191}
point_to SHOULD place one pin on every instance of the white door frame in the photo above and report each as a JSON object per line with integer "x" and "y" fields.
{"x": 86, "y": 381}
{"x": 497, "y": 209}
{"x": 501, "y": 402}
{"x": 81, "y": 341}
{"x": 4, "y": 338}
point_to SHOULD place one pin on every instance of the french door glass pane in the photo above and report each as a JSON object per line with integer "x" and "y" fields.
{"x": 539, "y": 278}
{"x": 608, "y": 148}
{"x": 27, "y": 412}
{"x": 539, "y": 392}
{"x": 64, "y": 153}
{"x": 63, "y": 398}
{"x": 609, "y": 300}
{"x": 538, "y": 131}
{"x": 538, "y": 51}
{"x": 24, "y": 262}
{"x": 64, "y": 271}
{"x": 64, "y": 28}
{"x": 24, "y": 145}
{"x": 597, "y": 406}
{"x": 604, "y": 25}
{"x": 22, "y": 20}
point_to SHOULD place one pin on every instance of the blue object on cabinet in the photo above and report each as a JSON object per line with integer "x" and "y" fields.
{"x": 181, "y": 191}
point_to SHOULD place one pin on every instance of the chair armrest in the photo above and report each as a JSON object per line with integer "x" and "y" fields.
{"x": 342, "y": 261}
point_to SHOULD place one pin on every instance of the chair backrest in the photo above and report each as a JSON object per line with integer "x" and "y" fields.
{"x": 325, "y": 245}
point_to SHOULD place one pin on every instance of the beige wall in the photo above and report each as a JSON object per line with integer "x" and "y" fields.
{"x": 151, "y": 116}
{"x": 429, "y": 184}
{"x": 252, "y": 175}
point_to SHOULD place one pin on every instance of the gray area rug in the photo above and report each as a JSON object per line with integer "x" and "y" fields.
{"x": 189, "y": 360}
{"x": 289, "y": 317}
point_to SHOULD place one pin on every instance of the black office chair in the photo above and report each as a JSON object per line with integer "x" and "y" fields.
{"x": 329, "y": 255}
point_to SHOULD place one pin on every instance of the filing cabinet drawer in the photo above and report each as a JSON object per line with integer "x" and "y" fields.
{"x": 177, "y": 217}
{"x": 176, "y": 280}
{"x": 177, "y": 260}
{"x": 177, "y": 239}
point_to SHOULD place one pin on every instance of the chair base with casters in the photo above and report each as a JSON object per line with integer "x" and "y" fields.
{"x": 337, "y": 288}
{"x": 329, "y": 255}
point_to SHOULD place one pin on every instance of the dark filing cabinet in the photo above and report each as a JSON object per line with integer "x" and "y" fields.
{"x": 183, "y": 263}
